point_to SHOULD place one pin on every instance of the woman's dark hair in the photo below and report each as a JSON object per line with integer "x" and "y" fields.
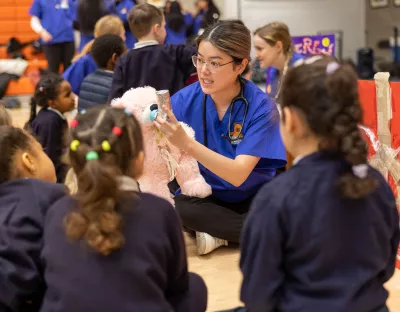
{"x": 46, "y": 89}
{"x": 5, "y": 119}
{"x": 97, "y": 220}
{"x": 175, "y": 18}
{"x": 89, "y": 12}
{"x": 326, "y": 94}
{"x": 12, "y": 140}
{"x": 231, "y": 37}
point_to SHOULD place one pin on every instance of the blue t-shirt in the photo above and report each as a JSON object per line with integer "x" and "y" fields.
{"x": 55, "y": 18}
{"x": 260, "y": 136}
{"x": 273, "y": 75}
{"x": 76, "y": 73}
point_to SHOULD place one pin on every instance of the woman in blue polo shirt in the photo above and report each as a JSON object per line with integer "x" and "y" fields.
{"x": 52, "y": 20}
{"x": 273, "y": 47}
{"x": 238, "y": 144}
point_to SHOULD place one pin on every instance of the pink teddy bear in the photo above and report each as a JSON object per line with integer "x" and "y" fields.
{"x": 163, "y": 161}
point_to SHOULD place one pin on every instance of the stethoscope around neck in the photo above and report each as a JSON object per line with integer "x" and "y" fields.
{"x": 229, "y": 137}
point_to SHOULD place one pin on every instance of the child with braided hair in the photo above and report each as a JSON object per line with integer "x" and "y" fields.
{"x": 53, "y": 94}
{"x": 323, "y": 236}
{"x": 118, "y": 249}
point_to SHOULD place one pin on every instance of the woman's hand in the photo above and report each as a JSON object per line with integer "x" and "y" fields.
{"x": 173, "y": 130}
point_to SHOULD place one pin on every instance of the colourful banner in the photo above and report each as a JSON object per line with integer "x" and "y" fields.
{"x": 312, "y": 45}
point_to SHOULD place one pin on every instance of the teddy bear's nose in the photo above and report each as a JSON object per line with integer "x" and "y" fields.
{"x": 153, "y": 107}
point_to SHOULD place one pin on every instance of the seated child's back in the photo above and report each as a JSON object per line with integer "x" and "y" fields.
{"x": 151, "y": 63}
{"x": 96, "y": 87}
{"x": 324, "y": 235}
{"x": 24, "y": 200}
{"x": 111, "y": 248}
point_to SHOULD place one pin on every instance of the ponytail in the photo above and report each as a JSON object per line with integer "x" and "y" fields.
{"x": 104, "y": 143}
{"x": 97, "y": 221}
{"x": 350, "y": 144}
{"x": 33, "y": 113}
{"x": 326, "y": 92}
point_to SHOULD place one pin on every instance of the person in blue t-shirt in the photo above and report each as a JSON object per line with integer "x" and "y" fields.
{"x": 52, "y": 20}
{"x": 177, "y": 23}
{"x": 122, "y": 9}
{"x": 238, "y": 144}
{"x": 273, "y": 47}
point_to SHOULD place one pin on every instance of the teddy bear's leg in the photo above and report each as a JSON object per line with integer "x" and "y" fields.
{"x": 190, "y": 179}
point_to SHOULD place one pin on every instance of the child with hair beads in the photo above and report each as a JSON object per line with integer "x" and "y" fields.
{"x": 53, "y": 94}
{"x": 323, "y": 236}
{"x": 110, "y": 247}
{"x": 24, "y": 200}
{"x": 84, "y": 64}
{"x": 5, "y": 118}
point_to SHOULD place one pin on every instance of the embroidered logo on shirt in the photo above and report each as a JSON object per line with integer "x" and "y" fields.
{"x": 236, "y": 134}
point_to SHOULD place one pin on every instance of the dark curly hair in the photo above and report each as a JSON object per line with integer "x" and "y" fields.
{"x": 97, "y": 220}
{"x": 326, "y": 93}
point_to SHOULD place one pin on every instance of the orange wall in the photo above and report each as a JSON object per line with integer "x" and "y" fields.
{"x": 15, "y": 20}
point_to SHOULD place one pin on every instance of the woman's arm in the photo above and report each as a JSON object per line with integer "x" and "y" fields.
{"x": 234, "y": 171}
{"x": 37, "y": 27}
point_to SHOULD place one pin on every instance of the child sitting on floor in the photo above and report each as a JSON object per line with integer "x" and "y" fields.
{"x": 109, "y": 247}
{"x": 95, "y": 88}
{"x": 24, "y": 200}
{"x": 53, "y": 94}
{"x": 324, "y": 235}
{"x": 150, "y": 62}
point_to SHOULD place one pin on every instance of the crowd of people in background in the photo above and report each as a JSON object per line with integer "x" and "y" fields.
{"x": 56, "y": 22}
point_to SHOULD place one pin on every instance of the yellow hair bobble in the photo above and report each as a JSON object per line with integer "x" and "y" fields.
{"x": 106, "y": 146}
{"x": 74, "y": 145}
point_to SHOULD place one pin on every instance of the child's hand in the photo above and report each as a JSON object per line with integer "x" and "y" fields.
{"x": 45, "y": 35}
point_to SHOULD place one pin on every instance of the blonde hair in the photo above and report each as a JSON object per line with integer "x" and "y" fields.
{"x": 274, "y": 32}
{"x": 107, "y": 25}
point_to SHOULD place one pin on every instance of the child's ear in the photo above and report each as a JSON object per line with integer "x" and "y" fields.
{"x": 28, "y": 163}
{"x": 114, "y": 58}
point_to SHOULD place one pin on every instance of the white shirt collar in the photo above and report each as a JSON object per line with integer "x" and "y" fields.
{"x": 57, "y": 112}
{"x": 128, "y": 184}
{"x": 297, "y": 159}
{"x": 146, "y": 43}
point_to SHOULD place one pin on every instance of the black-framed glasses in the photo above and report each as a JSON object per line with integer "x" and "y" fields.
{"x": 212, "y": 66}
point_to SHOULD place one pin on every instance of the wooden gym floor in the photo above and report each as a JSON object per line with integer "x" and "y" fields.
{"x": 220, "y": 269}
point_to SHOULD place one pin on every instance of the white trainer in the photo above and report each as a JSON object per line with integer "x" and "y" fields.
{"x": 206, "y": 243}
